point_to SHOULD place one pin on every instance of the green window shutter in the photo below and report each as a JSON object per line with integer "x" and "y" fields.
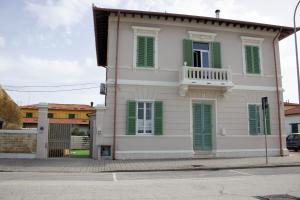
{"x": 150, "y": 52}
{"x": 216, "y": 55}
{"x": 268, "y": 121}
{"x": 252, "y": 111}
{"x": 249, "y": 63}
{"x": 141, "y": 51}
{"x": 188, "y": 52}
{"x": 131, "y": 118}
{"x": 256, "y": 60}
{"x": 158, "y": 118}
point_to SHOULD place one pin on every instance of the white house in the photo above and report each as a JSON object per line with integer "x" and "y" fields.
{"x": 187, "y": 86}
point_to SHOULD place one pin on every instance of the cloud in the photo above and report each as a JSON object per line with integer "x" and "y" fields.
{"x": 38, "y": 71}
{"x": 2, "y": 41}
{"x": 61, "y": 13}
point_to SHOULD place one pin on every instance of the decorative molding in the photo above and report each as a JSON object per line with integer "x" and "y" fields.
{"x": 176, "y": 84}
{"x": 202, "y": 36}
{"x": 251, "y": 40}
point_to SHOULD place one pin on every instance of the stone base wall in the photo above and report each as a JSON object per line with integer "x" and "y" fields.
{"x": 18, "y": 141}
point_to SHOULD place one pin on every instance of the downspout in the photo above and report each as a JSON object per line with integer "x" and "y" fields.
{"x": 277, "y": 93}
{"x": 116, "y": 87}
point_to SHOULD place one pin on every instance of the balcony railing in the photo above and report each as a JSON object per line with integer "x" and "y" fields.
{"x": 199, "y": 76}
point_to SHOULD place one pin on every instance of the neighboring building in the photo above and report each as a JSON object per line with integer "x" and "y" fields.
{"x": 292, "y": 117}
{"x": 188, "y": 86}
{"x": 10, "y": 115}
{"x": 75, "y": 114}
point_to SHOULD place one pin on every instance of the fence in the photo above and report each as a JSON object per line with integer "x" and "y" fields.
{"x": 80, "y": 142}
{"x": 18, "y": 143}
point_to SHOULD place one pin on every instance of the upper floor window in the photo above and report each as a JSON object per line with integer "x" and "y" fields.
{"x": 145, "y": 47}
{"x": 252, "y": 55}
{"x": 145, "y": 51}
{"x": 29, "y": 115}
{"x": 200, "y": 50}
{"x": 71, "y": 116}
{"x": 50, "y": 115}
{"x": 200, "y": 54}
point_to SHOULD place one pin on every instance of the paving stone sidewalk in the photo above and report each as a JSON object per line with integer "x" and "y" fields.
{"x": 94, "y": 166}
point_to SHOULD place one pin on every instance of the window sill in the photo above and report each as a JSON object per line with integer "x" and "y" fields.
{"x": 146, "y": 68}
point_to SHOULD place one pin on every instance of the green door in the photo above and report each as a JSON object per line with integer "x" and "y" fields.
{"x": 202, "y": 126}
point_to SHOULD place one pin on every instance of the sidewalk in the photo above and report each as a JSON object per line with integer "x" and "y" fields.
{"x": 94, "y": 166}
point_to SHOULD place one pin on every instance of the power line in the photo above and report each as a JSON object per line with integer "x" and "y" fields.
{"x": 48, "y": 86}
{"x": 63, "y": 90}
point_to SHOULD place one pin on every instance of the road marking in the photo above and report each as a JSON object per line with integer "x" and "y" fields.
{"x": 114, "y": 177}
{"x": 243, "y": 173}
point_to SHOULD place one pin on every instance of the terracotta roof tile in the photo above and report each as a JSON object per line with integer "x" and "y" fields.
{"x": 59, "y": 121}
{"x": 292, "y": 111}
{"x": 57, "y": 106}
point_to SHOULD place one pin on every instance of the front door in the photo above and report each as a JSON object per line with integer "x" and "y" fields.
{"x": 202, "y": 126}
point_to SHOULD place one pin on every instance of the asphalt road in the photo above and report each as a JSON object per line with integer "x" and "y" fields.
{"x": 223, "y": 184}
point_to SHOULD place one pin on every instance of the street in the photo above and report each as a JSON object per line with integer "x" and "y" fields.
{"x": 202, "y": 184}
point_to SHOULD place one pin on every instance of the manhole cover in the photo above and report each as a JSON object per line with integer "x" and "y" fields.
{"x": 278, "y": 197}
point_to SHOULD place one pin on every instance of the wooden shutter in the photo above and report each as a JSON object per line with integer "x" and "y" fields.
{"x": 249, "y": 63}
{"x": 268, "y": 121}
{"x": 131, "y": 118}
{"x": 256, "y": 60}
{"x": 141, "y": 51}
{"x": 150, "y": 52}
{"x": 216, "y": 55}
{"x": 252, "y": 111}
{"x": 207, "y": 127}
{"x": 188, "y": 52}
{"x": 158, "y": 118}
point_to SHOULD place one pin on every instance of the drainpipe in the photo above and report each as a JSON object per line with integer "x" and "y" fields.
{"x": 116, "y": 87}
{"x": 277, "y": 94}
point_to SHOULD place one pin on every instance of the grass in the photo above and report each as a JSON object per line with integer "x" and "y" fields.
{"x": 80, "y": 153}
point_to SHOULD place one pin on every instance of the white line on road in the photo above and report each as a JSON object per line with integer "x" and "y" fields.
{"x": 114, "y": 177}
{"x": 243, "y": 173}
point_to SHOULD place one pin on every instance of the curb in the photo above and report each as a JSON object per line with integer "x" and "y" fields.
{"x": 201, "y": 168}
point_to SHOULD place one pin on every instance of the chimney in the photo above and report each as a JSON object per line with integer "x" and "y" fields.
{"x": 92, "y": 104}
{"x": 217, "y": 13}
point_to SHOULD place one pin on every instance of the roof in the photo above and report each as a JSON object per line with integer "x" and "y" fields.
{"x": 290, "y": 104}
{"x": 57, "y": 120}
{"x": 56, "y": 106}
{"x": 101, "y": 25}
{"x": 292, "y": 111}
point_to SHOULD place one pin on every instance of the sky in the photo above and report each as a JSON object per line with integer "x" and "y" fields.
{"x": 51, "y": 43}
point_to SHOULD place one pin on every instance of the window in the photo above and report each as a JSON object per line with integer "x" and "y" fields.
{"x": 145, "y": 51}
{"x": 50, "y": 115}
{"x": 144, "y": 118}
{"x": 252, "y": 54}
{"x": 252, "y": 59}
{"x": 71, "y": 116}
{"x": 294, "y": 128}
{"x": 200, "y": 54}
{"x": 28, "y": 115}
{"x": 145, "y": 47}
{"x": 256, "y": 123}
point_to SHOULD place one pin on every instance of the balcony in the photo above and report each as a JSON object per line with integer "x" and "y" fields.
{"x": 205, "y": 78}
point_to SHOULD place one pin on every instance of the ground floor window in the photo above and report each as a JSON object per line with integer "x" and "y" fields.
{"x": 256, "y": 121}
{"x": 294, "y": 127}
{"x": 145, "y": 117}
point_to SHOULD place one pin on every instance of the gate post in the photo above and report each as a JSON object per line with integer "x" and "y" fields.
{"x": 98, "y": 131}
{"x": 42, "y": 135}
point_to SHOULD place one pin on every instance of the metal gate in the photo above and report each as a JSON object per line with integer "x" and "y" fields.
{"x": 59, "y": 139}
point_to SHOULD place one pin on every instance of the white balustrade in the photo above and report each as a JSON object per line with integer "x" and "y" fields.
{"x": 200, "y": 74}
